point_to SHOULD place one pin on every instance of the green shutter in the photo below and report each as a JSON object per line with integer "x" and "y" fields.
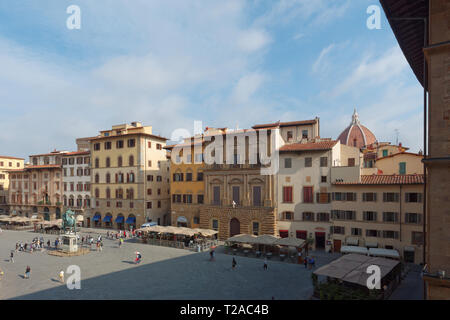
{"x": 402, "y": 168}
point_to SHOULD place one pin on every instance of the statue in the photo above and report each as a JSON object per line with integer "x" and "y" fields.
{"x": 69, "y": 221}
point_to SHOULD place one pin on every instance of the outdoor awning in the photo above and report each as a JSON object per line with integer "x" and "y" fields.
{"x": 352, "y": 241}
{"x": 107, "y": 219}
{"x": 131, "y": 220}
{"x": 409, "y": 249}
{"x": 371, "y": 244}
{"x": 97, "y": 217}
{"x": 354, "y": 249}
{"x": 119, "y": 219}
{"x": 388, "y": 253}
{"x": 182, "y": 219}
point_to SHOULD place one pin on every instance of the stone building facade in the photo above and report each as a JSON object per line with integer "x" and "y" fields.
{"x": 127, "y": 162}
{"x": 7, "y": 163}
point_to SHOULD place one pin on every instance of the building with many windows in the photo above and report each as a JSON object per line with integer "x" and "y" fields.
{"x": 129, "y": 178}
{"x": 304, "y": 187}
{"x": 36, "y": 189}
{"x": 7, "y": 163}
{"x": 76, "y": 168}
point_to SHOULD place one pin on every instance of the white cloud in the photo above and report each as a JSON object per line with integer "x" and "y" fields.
{"x": 253, "y": 40}
{"x": 318, "y": 64}
{"x": 246, "y": 87}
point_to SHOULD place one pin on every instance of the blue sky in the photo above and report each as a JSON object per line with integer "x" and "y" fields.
{"x": 227, "y": 63}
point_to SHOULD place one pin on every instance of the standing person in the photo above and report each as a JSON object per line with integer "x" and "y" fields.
{"x": 265, "y": 263}
{"x": 27, "y": 272}
{"x": 17, "y": 246}
{"x": 12, "y": 257}
{"x": 233, "y": 263}
{"x": 305, "y": 262}
{"x": 313, "y": 262}
{"x": 61, "y": 276}
{"x": 48, "y": 244}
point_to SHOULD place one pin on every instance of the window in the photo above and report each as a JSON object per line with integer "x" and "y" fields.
{"x": 200, "y": 199}
{"x": 149, "y": 144}
{"x": 149, "y": 163}
{"x": 338, "y": 230}
{"x": 390, "y": 197}
{"x": 323, "y": 216}
{"x": 189, "y": 176}
{"x": 390, "y": 216}
{"x": 288, "y": 215}
{"x": 215, "y": 224}
{"x": 158, "y": 178}
{"x": 158, "y": 146}
{"x": 159, "y": 191}
{"x": 199, "y": 176}
{"x": 304, "y": 134}
{"x": 415, "y": 218}
{"x": 351, "y": 162}
{"x": 97, "y": 162}
{"x": 289, "y": 135}
{"x": 287, "y": 194}
{"x": 323, "y": 197}
{"x": 324, "y": 162}
{"x": 255, "y": 227}
{"x": 369, "y": 216}
{"x": 149, "y": 177}
{"x": 288, "y": 163}
{"x": 413, "y": 197}
{"x": 119, "y": 144}
{"x": 96, "y": 146}
{"x": 108, "y": 145}
{"x": 97, "y": 178}
{"x": 385, "y": 153}
{"x": 308, "y": 195}
{"x": 308, "y": 216}
{"x": 323, "y": 179}
{"x": 131, "y": 161}
{"x": 301, "y": 234}
{"x": 149, "y": 191}
{"x": 108, "y": 162}
{"x": 356, "y": 231}
{"x": 131, "y": 143}
{"x": 187, "y": 198}
{"x": 343, "y": 215}
{"x": 196, "y": 220}
{"x": 149, "y": 205}
{"x": 119, "y": 161}
{"x": 369, "y": 196}
{"x": 284, "y": 233}
{"x": 388, "y": 234}
{"x": 372, "y": 233}
{"x": 343, "y": 196}
{"x": 402, "y": 168}
{"x": 177, "y": 177}
{"x": 108, "y": 178}
{"x": 199, "y": 158}
{"x": 417, "y": 238}
{"x": 308, "y": 162}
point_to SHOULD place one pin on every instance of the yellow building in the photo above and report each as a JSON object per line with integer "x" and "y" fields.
{"x": 187, "y": 187}
{"x": 129, "y": 178}
{"x": 7, "y": 163}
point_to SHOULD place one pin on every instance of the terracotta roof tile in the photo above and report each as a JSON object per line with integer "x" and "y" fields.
{"x": 310, "y": 146}
{"x": 284, "y": 124}
{"x": 383, "y": 179}
{"x": 13, "y": 158}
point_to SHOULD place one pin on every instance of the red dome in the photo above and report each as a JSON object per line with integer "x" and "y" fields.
{"x": 357, "y": 135}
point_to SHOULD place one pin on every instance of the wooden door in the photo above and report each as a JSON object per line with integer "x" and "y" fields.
{"x": 235, "y": 227}
{"x": 337, "y": 245}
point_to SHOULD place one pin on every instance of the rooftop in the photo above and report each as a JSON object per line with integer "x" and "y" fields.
{"x": 309, "y": 146}
{"x": 382, "y": 179}
{"x": 285, "y": 124}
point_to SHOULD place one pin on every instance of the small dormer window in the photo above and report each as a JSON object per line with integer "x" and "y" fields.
{"x": 305, "y": 134}
{"x": 289, "y": 135}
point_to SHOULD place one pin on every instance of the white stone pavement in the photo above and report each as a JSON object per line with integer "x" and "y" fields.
{"x": 165, "y": 273}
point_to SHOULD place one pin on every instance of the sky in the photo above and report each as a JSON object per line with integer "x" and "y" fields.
{"x": 168, "y": 63}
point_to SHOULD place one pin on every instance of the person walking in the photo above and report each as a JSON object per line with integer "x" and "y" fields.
{"x": 138, "y": 257}
{"x": 265, "y": 263}
{"x": 61, "y": 276}
{"x": 233, "y": 263}
{"x": 313, "y": 262}
{"x": 27, "y": 272}
{"x": 12, "y": 257}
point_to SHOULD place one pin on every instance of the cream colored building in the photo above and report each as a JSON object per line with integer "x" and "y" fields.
{"x": 129, "y": 178}
{"x": 304, "y": 187}
{"x": 383, "y": 211}
{"x": 7, "y": 163}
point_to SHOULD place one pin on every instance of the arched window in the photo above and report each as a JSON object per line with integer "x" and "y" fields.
{"x": 131, "y": 177}
{"x": 108, "y": 193}
{"x": 131, "y": 161}
{"x": 119, "y": 161}
{"x": 97, "y": 193}
{"x": 130, "y": 193}
{"x": 108, "y": 178}
{"x": 108, "y": 162}
{"x": 119, "y": 193}
{"x": 97, "y": 178}
{"x": 97, "y": 162}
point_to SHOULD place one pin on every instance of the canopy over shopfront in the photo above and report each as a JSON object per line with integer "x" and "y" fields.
{"x": 387, "y": 253}
{"x": 178, "y": 230}
{"x": 131, "y": 220}
{"x": 119, "y": 219}
{"x": 107, "y": 219}
{"x": 354, "y": 249}
{"x": 352, "y": 268}
{"x": 97, "y": 217}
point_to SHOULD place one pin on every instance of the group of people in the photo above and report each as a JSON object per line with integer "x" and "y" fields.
{"x": 309, "y": 262}
{"x": 122, "y": 234}
{"x": 35, "y": 244}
